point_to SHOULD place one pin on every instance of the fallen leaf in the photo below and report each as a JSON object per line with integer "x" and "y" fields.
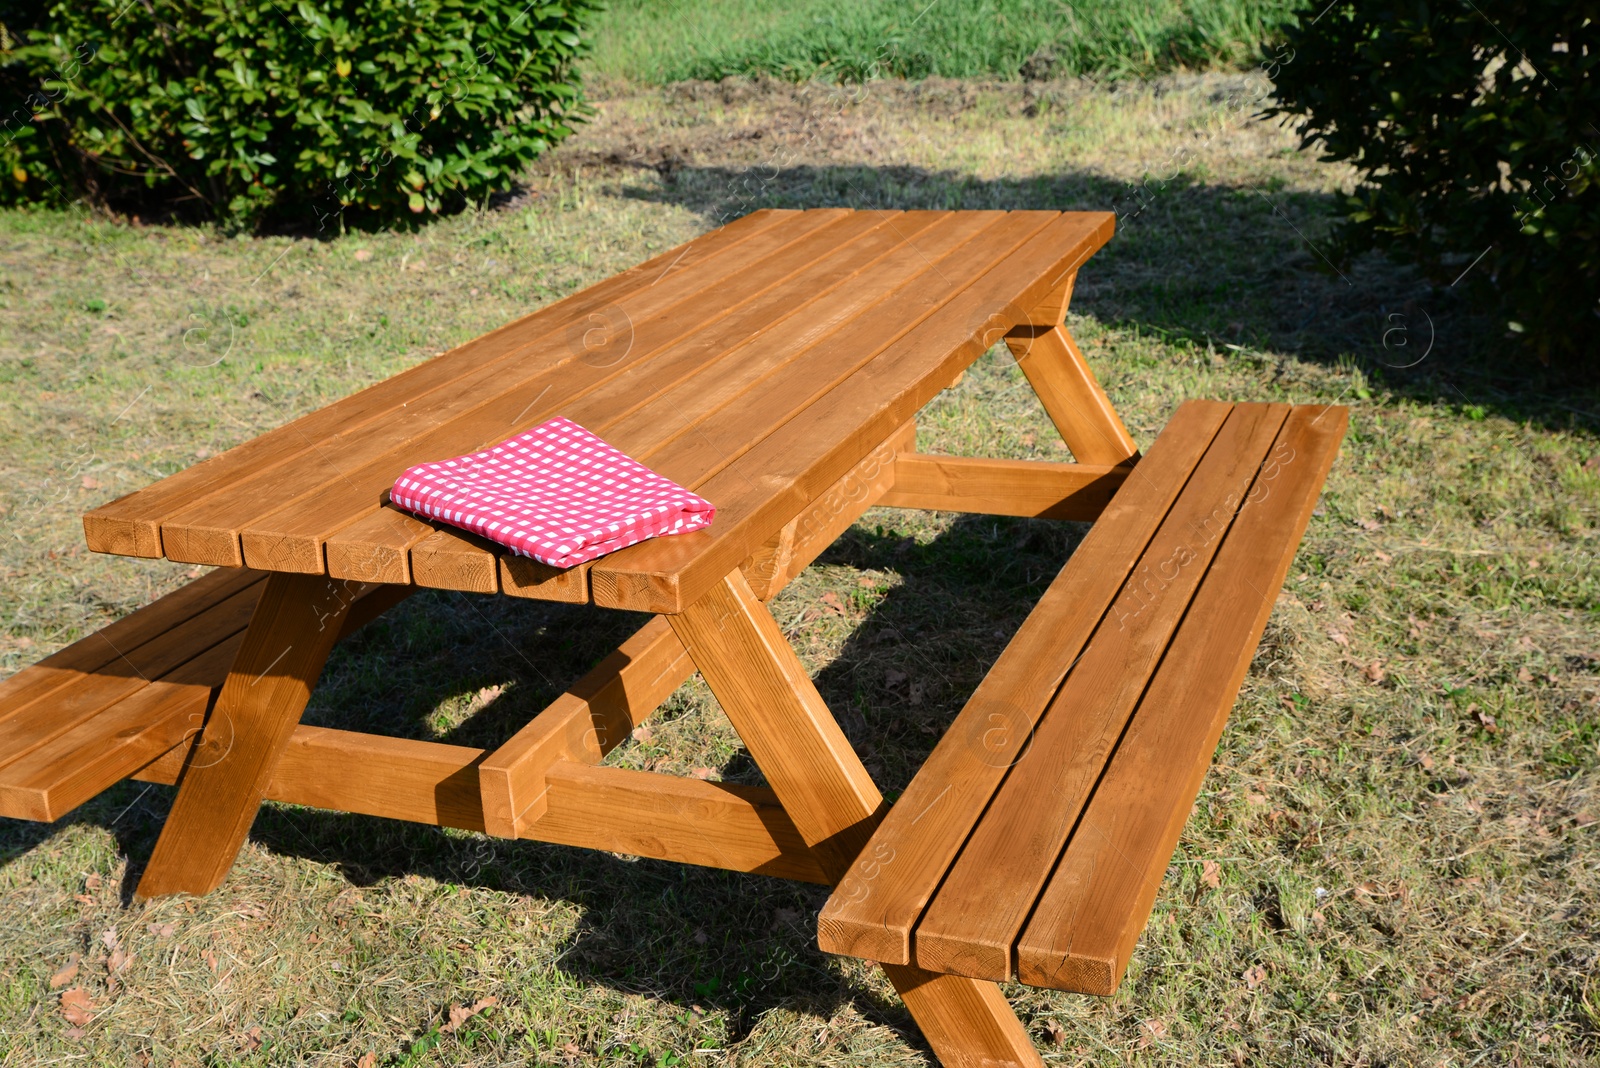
{"x": 1416, "y": 627}
{"x": 1054, "y": 1033}
{"x": 90, "y": 482}
{"x": 1524, "y": 675}
{"x": 66, "y": 975}
{"x": 1254, "y": 976}
{"x": 1426, "y": 761}
{"x": 1153, "y": 1030}
{"x": 162, "y": 930}
{"x": 1582, "y": 819}
{"x": 1211, "y": 873}
{"x": 210, "y": 958}
{"x": 1374, "y": 672}
{"x": 867, "y": 582}
{"x": 362, "y": 256}
{"x": 1382, "y": 556}
{"x": 1485, "y": 720}
{"x": 918, "y": 688}
{"x": 700, "y": 937}
{"x": 250, "y": 1041}
{"x": 702, "y": 773}
{"x": 92, "y": 881}
{"x": 1338, "y": 638}
{"x": 892, "y": 678}
{"x": 643, "y": 735}
{"x": 1369, "y": 525}
{"x": 831, "y": 599}
{"x": 83, "y": 899}
{"x": 368, "y": 1060}
{"x": 460, "y": 1015}
{"x": 76, "y": 1006}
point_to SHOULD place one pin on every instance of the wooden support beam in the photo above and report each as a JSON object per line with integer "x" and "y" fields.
{"x": 719, "y": 825}
{"x": 583, "y": 724}
{"x": 267, "y": 688}
{"x": 602, "y": 708}
{"x": 1003, "y": 487}
{"x": 646, "y": 814}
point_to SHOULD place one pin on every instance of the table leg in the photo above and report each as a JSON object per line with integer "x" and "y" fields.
{"x": 295, "y": 625}
{"x": 794, "y": 739}
{"x": 1071, "y": 395}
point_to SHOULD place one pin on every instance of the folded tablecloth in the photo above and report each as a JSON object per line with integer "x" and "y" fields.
{"x": 556, "y": 493}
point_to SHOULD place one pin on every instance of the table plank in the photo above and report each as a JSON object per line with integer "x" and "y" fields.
{"x": 331, "y": 467}
{"x": 358, "y": 474}
{"x": 779, "y": 319}
{"x": 785, "y": 471}
{"x": 131, "y": 525}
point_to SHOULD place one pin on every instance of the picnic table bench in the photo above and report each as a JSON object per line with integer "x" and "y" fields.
{"x": 775, "y": 366}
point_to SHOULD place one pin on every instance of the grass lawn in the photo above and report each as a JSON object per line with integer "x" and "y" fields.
{"x": 1395, "y": 861}
{"x": 655, "y": 41}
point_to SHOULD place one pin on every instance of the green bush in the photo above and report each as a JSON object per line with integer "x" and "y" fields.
{"x": 1473, "y": 129}
{"x": 321, "y": 112}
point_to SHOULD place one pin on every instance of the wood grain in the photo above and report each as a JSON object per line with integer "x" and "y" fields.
{"x": 1003, "y": 487}
{"x": 784, "y": 723}
{"x": 1084, "y": 928}
{"x": 872, "y": 912}
{"x": 131, "y": 525}
{"x": 973, "y": 921}
{"x": 294, "y": 627}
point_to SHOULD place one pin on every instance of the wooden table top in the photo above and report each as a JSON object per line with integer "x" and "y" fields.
{"x": 756, "y": 364}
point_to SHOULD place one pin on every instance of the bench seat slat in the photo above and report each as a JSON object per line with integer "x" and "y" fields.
{"x": 973, "y": 921}
{"x": 106, "y": 748}
{"x": 1089, "y": 918}
{"x": 115, "y": 640}
{"x": 872, "y": 912}
{"x": 42, "y": 720}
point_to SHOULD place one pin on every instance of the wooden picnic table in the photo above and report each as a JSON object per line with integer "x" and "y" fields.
{"x": 775, "y": 366}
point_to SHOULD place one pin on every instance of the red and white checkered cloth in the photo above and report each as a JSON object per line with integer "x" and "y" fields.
{"x": 556, "y": 493}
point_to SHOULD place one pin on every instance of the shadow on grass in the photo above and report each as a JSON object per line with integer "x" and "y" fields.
{"x": 1230, "y": 268}
{"x": 741, "y": 944}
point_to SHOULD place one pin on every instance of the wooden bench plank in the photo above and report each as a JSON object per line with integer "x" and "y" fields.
{"x": 34, "y": 724}
{"x": 1089, "y": 918}
{"x": 784, "y": 472}
{"x": 57, "y": 776}
{"x": 131, "y": 525}
{"x": 780, "y": 319}
{"x": 115, "y": 640}
{"x": 872, "y": 917}
{"x": 1003, "y": 487}
{"x": 973, "y": 921}
{"x": 448, "y": 419}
